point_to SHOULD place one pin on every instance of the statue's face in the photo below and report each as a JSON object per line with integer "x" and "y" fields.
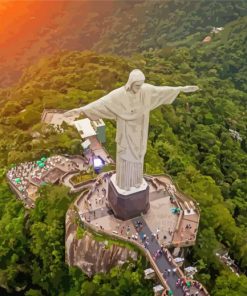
{"x": 136, "y": 86}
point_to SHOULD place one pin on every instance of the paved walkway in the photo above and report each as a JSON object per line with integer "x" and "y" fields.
{"x": 162, "y": 261}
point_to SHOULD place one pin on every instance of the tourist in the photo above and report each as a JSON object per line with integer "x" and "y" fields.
{"x": 164, "y": 273}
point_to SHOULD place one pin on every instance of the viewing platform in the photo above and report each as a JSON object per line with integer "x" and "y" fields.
{"x": 172, "y": 221}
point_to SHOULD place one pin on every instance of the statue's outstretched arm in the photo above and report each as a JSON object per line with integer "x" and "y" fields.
{"x": 94, "y": 110}
{"x": 160, "y": 95}
{"x": 97, "y": 110}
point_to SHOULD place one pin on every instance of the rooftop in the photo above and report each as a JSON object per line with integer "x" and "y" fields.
{"x": 85, "y": 128}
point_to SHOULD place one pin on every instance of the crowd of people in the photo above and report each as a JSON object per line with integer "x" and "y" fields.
{"x": 190, "y": 288}
{"x": 35, "y": 172}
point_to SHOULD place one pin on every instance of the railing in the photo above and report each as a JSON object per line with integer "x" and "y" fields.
{"x": 177, "y": 187}
{"x": 80, "y": 197}
{"x": 14, "y": 189}
{"x": 202, "y": 288}
{"x": 67, "y": 174}
{"x": 179, "y": 220}
{"x": 75, "y": 156}
{"x": 84, "y": 183}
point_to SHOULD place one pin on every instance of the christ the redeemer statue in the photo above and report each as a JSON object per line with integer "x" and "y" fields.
{"x": 130, "y": 106}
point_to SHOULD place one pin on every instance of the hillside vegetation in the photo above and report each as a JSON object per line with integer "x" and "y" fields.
{"x": 157, "y": 24}
{"x": 34, "y": 29}
{"x": 190, "y": 140}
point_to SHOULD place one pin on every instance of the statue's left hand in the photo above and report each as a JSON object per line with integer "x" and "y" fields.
{"x": 190, "y": 88}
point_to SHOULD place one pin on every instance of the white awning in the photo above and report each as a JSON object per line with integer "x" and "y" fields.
{"x": 178, "y": 259}
{"x": 158, "y": 288}
{"x": 190, "y": 269}
{"x": 148, "y": 271}
{"x": 85, "y": 128}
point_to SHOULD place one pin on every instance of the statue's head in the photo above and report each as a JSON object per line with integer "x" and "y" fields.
{"x": 135, "y": 81}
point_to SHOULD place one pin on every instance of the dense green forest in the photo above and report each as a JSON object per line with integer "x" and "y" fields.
{"x": 157, "y": 24}
{"x": 190, "y": 140}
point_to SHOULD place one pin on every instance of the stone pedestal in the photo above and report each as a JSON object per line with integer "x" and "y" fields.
{"x": 128, "y": 204}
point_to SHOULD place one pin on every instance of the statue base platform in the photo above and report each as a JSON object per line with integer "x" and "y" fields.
{"x": 128, "y": 204}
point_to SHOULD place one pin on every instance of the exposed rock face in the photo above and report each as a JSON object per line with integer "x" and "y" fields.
{"x": 90, "y": 255}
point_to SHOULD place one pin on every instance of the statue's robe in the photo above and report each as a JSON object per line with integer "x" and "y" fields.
{"x": 131, "y": 112}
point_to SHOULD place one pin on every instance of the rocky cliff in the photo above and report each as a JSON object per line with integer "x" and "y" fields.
{"x": 90, "y": 255}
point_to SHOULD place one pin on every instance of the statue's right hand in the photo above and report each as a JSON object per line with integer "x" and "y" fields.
{"x": 190, "y": 88}
{"x": 71, "y": 113}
